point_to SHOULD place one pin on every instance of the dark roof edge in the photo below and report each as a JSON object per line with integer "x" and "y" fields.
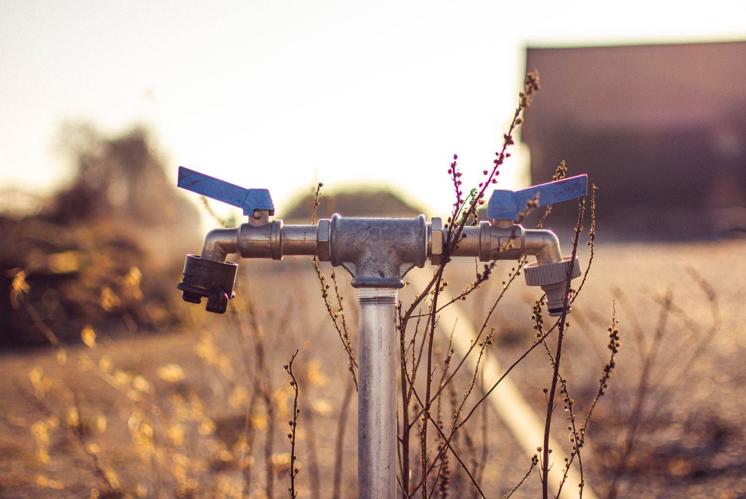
{"x": 621, "y": 44}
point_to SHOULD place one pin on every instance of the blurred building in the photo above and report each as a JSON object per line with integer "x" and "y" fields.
{"x": 661, "y": 129}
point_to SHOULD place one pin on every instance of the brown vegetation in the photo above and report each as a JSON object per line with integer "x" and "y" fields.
{"x": 102, "y": 251}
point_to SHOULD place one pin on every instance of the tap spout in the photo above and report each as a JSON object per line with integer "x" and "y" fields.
{"x": 220, "y": 243}
{"x": 544, "y": 245}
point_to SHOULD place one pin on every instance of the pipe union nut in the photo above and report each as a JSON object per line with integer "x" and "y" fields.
{"x": 323, "y": 235}
{"x": 436, "y": 241}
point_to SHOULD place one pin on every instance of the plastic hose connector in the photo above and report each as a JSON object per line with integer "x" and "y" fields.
{"x": 552, "y": 277}
{"x": 203, "y": 278}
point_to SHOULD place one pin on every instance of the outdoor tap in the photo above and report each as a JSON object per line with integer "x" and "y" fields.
{"x": 551, "y": 270}
{"x": 503, "y": 239}
{"x": 208, "y": 275}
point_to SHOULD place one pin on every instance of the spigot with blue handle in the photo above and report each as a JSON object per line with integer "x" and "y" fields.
{"x": 209, "y": 275}
{"x": 550, "y": 273}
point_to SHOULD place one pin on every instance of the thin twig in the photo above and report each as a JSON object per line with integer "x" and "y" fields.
{"x": 534, "y": 462}
{"x": 293, "y": 424}
{"x": 558, "y": 358}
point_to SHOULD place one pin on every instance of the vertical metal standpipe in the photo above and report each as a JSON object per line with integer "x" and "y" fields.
{"x": 377, "y": 431}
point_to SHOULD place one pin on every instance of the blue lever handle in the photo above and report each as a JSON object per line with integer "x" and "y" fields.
{"x": 250, "y": 200}
{"x": 506, "y": 205}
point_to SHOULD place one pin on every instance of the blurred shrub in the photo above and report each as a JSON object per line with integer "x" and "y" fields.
{"x": 104, "y": 250}
{"x": 354, "y": 203}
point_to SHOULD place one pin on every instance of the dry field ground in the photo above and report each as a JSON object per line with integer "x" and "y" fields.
{"x": 179, "y": 413}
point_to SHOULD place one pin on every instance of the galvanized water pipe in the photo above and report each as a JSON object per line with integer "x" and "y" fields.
{"x": 377, "y": 430}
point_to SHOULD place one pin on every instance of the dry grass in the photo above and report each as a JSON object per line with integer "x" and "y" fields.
{"x": 167, "y": 414}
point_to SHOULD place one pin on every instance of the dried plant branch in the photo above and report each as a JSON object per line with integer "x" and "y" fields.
{"x": 336, "y": 313}
{"x": 603, "y": 385}
{"x": 75, "y": 434}
{"x": 567, "y": 401}
{"x": 446, "y": 440}
{"x": 651, "y": 399}
{"x": 675, "y": 367}
{"x": 641, "y": 394}
{"x": 293, "y": 472}
{"x": 428, "y": 383}
{"x": 464, "y": 467}
{"x": 534, "y": 462}
{"x": 591, "y": 241}
{"x": 515, "y": 272}
{"x": 541, "y": 340}
{"x": 558, "y": 358}
{"x": 222, "y": 222}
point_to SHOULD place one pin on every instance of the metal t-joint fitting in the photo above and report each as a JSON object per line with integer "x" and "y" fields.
{"x": 378, "y": 252}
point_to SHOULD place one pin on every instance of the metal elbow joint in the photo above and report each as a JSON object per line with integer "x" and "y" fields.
{"x": 220, "y": 243}
{"x": 543, "y": 244}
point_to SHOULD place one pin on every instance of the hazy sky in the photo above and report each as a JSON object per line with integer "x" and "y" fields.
{"x": 280, "y": 94}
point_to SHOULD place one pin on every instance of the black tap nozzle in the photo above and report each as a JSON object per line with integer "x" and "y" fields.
{"x": 208, "y": 279}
